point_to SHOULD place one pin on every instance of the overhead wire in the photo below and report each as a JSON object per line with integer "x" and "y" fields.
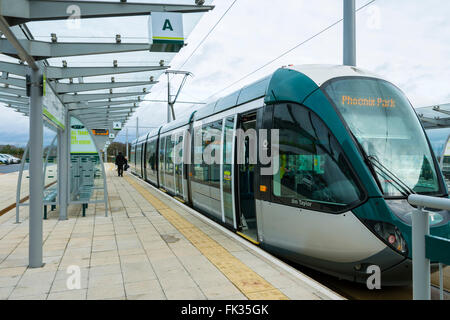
{"x": 288, "y": 51}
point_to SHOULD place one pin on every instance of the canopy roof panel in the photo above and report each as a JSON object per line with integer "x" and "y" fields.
{"x": 117, "y": 81}
{"x": 434, "y": 117}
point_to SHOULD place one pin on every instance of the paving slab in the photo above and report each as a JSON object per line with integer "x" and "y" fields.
{"x": 149, "y": 247}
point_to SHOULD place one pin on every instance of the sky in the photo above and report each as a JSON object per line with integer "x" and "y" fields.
{"x": 404, "y": 41}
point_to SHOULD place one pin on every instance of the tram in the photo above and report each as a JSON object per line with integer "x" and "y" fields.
{"x": 345, "y": 149}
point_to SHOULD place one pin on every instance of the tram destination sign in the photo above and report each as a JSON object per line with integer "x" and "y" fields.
{"x": 100, "y": 132}
{"x": 53, "y": 109}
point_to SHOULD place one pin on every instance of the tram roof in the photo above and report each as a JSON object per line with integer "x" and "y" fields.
{"x": 313, "y": 76}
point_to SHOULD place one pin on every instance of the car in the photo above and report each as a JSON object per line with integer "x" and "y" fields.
{"x": 11, "y": 158}
{"x": 4, "y": 160}
{"x": 14, "y": 159}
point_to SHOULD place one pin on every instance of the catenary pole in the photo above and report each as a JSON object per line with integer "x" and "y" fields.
{"x": 126, "y": 144}
{"x": 137, "y": 128}
{"x": 349, "y": 33}
{"x": 36, "y": 171}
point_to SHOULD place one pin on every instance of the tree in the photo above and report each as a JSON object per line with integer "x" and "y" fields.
{"x": 12, "y": 150}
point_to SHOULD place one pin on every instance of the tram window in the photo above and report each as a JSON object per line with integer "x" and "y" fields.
{"x": 207, "y": 142}
{"x": 169, "y": 154}
{"x": 201, "y": 173}
{"x": 313, "y": 171}
{"x": 162, "y": 146}
{"x": 214, "y": 137}
{"x": 133, "y": 154}
{"x": 179, "y": 148}
{"x": 151, "y": 156}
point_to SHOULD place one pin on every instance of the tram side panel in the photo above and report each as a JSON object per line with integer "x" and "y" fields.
{"x": 133, "y": 158}
{"x": 139, "y": 160}
{"x": 150, "y": 159}
{"x": 143, "y": 163}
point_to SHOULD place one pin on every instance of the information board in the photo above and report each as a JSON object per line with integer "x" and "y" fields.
{"x": 80, "y": 139}
{"x": 53, "y": 109}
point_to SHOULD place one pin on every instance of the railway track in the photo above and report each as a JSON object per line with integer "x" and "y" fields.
{"x": 357, "y": 291}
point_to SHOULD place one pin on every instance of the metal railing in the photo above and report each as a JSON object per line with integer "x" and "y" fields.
{"x": 426, "y": 247}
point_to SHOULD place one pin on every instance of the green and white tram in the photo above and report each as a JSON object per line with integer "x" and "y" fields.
{"x": 350, "y": 149}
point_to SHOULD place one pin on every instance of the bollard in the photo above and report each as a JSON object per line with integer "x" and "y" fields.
{"x": 421, "y": 265}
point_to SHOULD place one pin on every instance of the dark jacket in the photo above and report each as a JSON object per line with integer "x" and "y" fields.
{"x": 120, "y": 160}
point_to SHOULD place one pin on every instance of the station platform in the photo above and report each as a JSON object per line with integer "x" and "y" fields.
{"x": 149, "y": 247}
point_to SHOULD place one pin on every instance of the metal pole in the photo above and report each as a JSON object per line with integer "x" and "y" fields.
{"x": 168, "y": 97}
{"x": 137, "y": 128}
{"x": 421, "y": 265}
{"x": 126, "y": 145}
{"x": 441, "y": 281}
{"x": 36, "y": 172}
{"x": 349, "y": 33}
{"x": 63, "y": 169}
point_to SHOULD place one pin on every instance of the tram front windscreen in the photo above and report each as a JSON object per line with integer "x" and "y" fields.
{"x": 386, "y": 126}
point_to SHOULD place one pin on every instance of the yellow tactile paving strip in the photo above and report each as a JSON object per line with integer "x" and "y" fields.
{"x": 245, "y": 279}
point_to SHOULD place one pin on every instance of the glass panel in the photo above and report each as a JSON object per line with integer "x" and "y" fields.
{"x": 151, "y": 156}
{"x": 313, "y": 171}
{"x": 162, "y": 147}
{"x": 133, "y": 157}
{"x": 201, "y": 171}
{"x": 86, "y": 181}
{"x": 51, "y": 165}
{"x": 169, "y": 156}
{"x": 179, "y": 165}
{"x": 397, "y": 141}
{"x": 214, "y": 141}
{"x": 139, "y": 152}
{"x": 228, "y": 171}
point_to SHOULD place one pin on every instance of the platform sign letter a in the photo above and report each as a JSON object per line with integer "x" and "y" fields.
{"x": 166, "y": 28}
{"x": 167, "y": 25}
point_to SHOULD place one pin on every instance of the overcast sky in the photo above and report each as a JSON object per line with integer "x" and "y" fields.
{"x": 405, "y": 41}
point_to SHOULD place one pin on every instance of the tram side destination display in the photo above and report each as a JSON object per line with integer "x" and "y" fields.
{"x": 80, "y": 139}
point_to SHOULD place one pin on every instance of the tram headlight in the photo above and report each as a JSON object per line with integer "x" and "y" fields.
{"x": 390, "y": 234}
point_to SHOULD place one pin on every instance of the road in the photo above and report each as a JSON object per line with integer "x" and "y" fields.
{"x": 11, "y": 168}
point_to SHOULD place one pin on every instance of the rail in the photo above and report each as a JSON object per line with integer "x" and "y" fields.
{"x": 425, "y": 247}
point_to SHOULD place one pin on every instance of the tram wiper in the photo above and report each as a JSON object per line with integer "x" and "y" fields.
{"x": 367, "y": 161}
{"x": 373, "y": 163}
{"x": 390, "y": 177}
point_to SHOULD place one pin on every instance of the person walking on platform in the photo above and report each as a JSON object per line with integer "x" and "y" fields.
{"x": 120, "y": 162}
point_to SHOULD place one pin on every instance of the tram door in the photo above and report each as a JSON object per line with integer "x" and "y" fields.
{"x": 179, "y": 165}
{"x": 227, "y": 172}
{"x": 246, "y": 166}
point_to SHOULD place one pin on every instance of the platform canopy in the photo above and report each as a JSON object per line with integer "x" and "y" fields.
{"x": 434, "y": 117}
{"x": 99, "y": 66}
{"x": 82, "y": 65}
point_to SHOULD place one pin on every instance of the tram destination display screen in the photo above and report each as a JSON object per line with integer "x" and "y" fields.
{"x": 384, "y": 122}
